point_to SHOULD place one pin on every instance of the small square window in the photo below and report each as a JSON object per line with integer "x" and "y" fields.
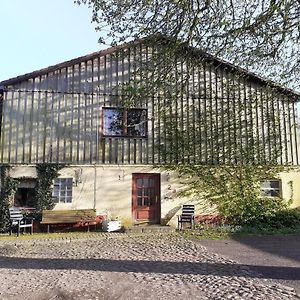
{"x": 62, "y": 190}
{"x": 136, "y": 122}
{"x": 124, "y": 122}
{"x": 113, "y": 122}
{"x": 270, "y": 188}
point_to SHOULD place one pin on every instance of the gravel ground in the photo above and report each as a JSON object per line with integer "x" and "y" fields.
{"x": 276, "y": 257}
{"x": 126, "y": 266}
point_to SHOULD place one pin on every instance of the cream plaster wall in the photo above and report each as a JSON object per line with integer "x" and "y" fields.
{"x": 23, "y": 171}
{"x": 290, "y": 182}
{"x": 113, "y": 193}
{"x": 108, "y": 189}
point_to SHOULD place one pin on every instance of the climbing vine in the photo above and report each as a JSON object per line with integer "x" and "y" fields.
{"x": 291, "y": 184}
{"x": 8, "y": 187}
{"x": 46, "y": 173}
{"x": 235, "y": 190}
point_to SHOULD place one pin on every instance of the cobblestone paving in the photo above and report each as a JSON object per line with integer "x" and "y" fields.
{"x": 125, "y": 266}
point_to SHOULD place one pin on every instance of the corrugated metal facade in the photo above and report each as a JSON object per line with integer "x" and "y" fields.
{"x": 56, "y": 115}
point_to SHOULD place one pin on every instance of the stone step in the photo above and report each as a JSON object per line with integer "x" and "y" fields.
{"x": 150, "y": 228}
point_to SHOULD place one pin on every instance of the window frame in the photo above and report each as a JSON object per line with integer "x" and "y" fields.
{"x": 58, "y": 199}
{"x": 125, "y": 122}
{"x": 279, "y": 189}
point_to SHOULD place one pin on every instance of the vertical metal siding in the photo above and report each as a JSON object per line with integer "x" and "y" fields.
{"x": 57, "y": 117}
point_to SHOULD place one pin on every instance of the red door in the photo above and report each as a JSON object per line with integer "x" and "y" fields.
{"x": 146, "y": 197}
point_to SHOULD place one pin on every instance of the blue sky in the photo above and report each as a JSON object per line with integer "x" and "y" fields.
{"x": 38, "y": 33}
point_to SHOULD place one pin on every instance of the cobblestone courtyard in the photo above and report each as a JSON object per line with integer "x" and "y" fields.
{"x": 126, "y": 266}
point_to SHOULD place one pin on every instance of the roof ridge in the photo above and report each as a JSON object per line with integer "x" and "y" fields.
{"x": 112, "y": 49}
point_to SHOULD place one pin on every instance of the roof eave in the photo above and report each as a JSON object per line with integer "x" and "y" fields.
{"x": 253, "y": 76}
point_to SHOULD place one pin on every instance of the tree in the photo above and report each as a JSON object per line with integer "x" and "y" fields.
{"x": 261, "y": 35}
{"x": 234, "y": 190}
{"x": 219, "y": 141}
{"x": 226, "y": 157}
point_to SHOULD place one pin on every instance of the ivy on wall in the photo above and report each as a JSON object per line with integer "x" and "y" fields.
{"x": 46, "y": 173}
{"x": 8, "y": 187}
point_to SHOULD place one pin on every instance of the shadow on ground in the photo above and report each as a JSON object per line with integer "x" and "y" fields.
{"x": 274, "y": 256}
{"x": 286, "y": 246}
{"x": 140, "y": 266}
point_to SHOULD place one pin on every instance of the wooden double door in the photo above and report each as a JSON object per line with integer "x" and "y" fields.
{"x": 146, "y": 197}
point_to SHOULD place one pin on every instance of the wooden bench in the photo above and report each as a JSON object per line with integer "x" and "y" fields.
{"x": 82, "y": 217}
{"x": 187, "y": 216}
{"x": 19, "y": 221}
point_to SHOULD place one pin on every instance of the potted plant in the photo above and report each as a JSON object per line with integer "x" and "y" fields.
{"x": 111, "y": 224}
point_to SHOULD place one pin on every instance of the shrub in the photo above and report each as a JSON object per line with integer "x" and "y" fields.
{"x": 234, "y": 190}
{"x": 9, "y": 187}
{"x": 210, "y": 220}
{"x": 281, "y": 219}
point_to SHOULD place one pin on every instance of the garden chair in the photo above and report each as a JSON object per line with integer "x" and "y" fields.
{"x": 19, "y": 221}
{"x": 187, "y": 216}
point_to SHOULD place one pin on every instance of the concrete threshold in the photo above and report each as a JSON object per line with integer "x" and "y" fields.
{"x": 145, "y": 228}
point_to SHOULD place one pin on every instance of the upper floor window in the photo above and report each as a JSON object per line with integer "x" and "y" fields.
{"x": 271, "y": 188}
{"x": 131, "y": 122}
{"x": 62, "y": 190}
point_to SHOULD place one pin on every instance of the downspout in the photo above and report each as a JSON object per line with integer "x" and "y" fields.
{"x": 95, "y": 185}
{"x": 97, "y": 145}
{"x": 1, "y": 109}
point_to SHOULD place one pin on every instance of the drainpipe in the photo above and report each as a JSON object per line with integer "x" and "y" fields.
{"x": 1, "y": 109}
{"x": 97, "y": 143}
{"x": 95, "y": 185}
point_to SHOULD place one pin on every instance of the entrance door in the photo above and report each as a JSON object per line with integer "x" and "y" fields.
{"x": 146, "y": 197}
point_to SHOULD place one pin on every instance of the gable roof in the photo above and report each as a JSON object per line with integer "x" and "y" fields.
{"x": 62, "y": 65}
{"x": 205, "y": 55}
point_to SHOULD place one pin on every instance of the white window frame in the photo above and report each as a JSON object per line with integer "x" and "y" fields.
{"x": 264, "y": 189}
{"x": 63, "y": 193}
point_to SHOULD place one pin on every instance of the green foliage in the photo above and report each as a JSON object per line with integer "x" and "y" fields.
{"x": 8, "y": 188}
{"x": 222, "y": 156}
{"x": 221, "y": 135}
{"x": 286, "y": 221}
{"x": 213, "y": 233}
{"x": 286, "y": 218}
{"x": 234, "y": 190}
{"x": 261, "y": 35}
{"x": 131, "y": 94}
{"x": 57, "y": 235}
{"x": 46, "y": 173}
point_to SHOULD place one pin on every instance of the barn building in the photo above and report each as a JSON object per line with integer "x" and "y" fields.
{"x": 114, "y": 154}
